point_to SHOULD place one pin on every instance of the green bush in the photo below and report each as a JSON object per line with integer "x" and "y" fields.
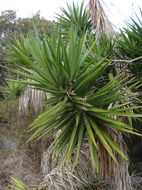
{"x": 129, "y": 44}
{"x": 12, "y": 89}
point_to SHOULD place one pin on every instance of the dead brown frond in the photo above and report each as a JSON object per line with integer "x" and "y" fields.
{"x": 83, "y": 178}
{"x": 100, "y": 22}
{"x": 117, "y": 176}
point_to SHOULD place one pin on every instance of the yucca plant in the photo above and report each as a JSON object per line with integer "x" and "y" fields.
{"x": 17, "y": 184}
{"x": 102, "y": 48}
{"x": 12, "y": 89}
{"x": 77, "y": 109}
{"x": 76, "y": 16}
{"x": 129, "y": 44}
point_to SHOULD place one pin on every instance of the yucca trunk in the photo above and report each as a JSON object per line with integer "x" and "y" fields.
{"x": 32, "y": 99}
{"x": 117, "y": 176}
{"x": 100, "y": 22}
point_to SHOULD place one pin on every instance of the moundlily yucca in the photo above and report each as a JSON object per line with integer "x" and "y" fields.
{"x": 77, "y": 108}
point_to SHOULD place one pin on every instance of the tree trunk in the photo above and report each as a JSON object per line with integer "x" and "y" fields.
{"x": 117, "y": 176}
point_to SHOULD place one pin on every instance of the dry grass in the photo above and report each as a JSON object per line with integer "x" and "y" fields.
{"x": 16, "y": 158}
{"x": 83, "y": 178}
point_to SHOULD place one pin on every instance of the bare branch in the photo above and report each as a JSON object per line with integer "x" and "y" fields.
{"x": 127, "y": 61}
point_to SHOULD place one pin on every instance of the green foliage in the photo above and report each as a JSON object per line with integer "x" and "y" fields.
{"x": 17, "y": 184}
{"x": 130, "y": 44}
{"x": 76, "y": 16}
{"x": 11, "y": 26}
{"x": 12, "y": 89}
{"x": 77, "y": 108}
{"x": 102, "y": 48}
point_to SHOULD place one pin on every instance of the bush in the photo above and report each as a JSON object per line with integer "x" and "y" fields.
{"x": 12, "y": 89}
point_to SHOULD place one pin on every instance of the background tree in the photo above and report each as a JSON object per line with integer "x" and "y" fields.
{"x": 11, "y": 27}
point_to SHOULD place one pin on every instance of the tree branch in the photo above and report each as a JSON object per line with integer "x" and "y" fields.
{"x": 127, "y": 61}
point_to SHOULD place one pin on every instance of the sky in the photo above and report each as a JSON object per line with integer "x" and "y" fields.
{"x": 118, "y": 11}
